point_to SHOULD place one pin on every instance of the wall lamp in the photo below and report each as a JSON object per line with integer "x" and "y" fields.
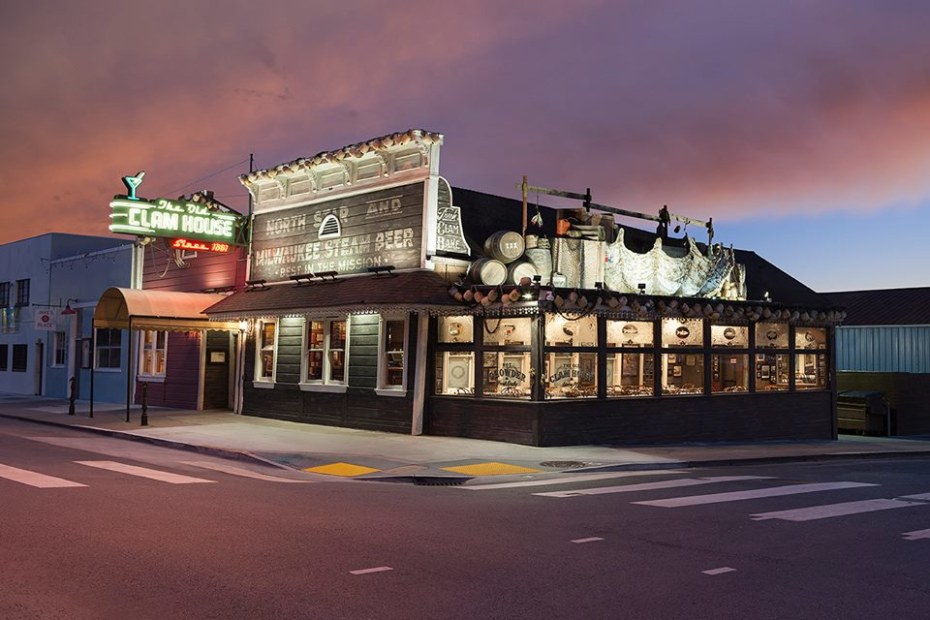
{"x": 68, "y": 309}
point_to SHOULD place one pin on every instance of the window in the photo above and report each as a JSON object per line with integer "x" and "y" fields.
{"x": 771, "y": 359}
{"x": 729, "y": 367}
{"x": 266, "y": 348}
{"x": 109, "y": 346}
{"x": 391, "y": 368}
{"x": 4, "y": 356}
{"x": 455, "y": 363}
{"x": 20, "y": 355}
{"x": 571, "y": 370}
{"x": 326, "y": 352}
{"x": 153, "y": 351}
{"x": 682, "y": 366}
{"x": 630, "y": 359}
{"x": 506, "y": 358}
{"x": 61, "y": 349}
{"x": 22, "y": 292}
{"x": 4, "y": 294}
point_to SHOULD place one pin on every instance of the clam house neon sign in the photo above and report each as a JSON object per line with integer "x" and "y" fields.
{"x": 186, "y": 221}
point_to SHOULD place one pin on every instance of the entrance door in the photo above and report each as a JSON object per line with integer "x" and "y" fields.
{"x": 216, "y": 371}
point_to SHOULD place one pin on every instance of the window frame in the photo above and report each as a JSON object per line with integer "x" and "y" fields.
{"x": 24, "y": 348}
{"x": 22, "y": 292}
{"x": 4, "y": 294}
{"x": 151, "y": 349}
{"x": 259, "y": 379}
{"x": 326, "y": 383}
{"x": 110, "y": 348}
{"x": 59, "y": 349}
{"x": 383, "y": 389}
{"x": 4, "y": 357}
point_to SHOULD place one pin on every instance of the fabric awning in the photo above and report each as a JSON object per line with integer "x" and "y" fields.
{"x": 161, "y": 310}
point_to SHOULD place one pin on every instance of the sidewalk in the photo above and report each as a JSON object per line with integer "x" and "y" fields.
{"x": 374, "y": 455}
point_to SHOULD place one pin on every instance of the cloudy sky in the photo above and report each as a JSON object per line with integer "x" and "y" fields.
{"x": 802, "y": 127}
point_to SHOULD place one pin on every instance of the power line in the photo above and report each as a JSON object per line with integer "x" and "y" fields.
{"x": 229, "y": 167}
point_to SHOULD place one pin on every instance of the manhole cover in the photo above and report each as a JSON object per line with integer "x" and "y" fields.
{"x": 562, "y": 464}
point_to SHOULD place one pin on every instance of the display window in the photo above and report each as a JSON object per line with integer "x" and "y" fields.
{"x": 326, "y": 352}
{"x": 506, "y": 374}
{"x": 455, "y": 373}
{"x": 682, "y": 333}
{"x": 571, "y": 374}
{"x": 810, "y": 338}
{"x": 682, "y": 373}
{"x": 391, "y": 354}
{"x": 771, "y": 335}
{"x": 810, "y": 371}
{"x": 508, "y": 331}
{"x": 730, "y": 372}
{"x": 772, "y": 371}
{"x": 736, "y": 336}
{"x": 630, "y": 374}
{"x": 456, "y": 329}
{"x": 566, "y": 330}
{"x": 629, "y": 333}
{"x": 267, "y": 347}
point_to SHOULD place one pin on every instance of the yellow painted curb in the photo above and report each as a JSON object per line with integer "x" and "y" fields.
{"x": 491, "y": 469}
{"x": 346, "y": 470}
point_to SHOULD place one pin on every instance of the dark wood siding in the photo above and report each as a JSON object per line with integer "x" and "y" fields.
{"x": 182, "y": 374}
{"x": 363, "y": 350}
{"x": 206, "y": 271}
{"x": 743, "y": 417}
{"x": 216, "y": 374}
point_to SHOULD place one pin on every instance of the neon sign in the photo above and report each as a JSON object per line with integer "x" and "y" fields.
{"x": 201, "y": 246}
{"x": 172, "y": 218}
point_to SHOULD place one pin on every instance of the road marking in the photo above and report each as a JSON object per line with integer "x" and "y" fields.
{"x": 245, "y": 473}
{"x": 368, "y": 571}
{"x": 143, "y": 472}
{"x": 916, "y": 535}
{"x": 922, "y": 497}
{"x": 34, "y": 479}
{"x": 564, "y": 480}
{"x": 343, "y": 470}
{"x": 719, "y": 571}
{"x": 650, "y": 486}
{"x": 491, "y": 468}
{"x": 828, "y": 511}
{"x": 581, "y": 541}
{"x": 736, "y": 496}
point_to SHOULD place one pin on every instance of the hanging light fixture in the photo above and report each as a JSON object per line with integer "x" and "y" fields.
{"x": 68, "y": 309}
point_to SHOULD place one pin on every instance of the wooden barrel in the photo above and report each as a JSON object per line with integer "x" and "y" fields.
{"x": 488, "y": 271}
{"x": 520, "y": 269}
{"x": 504, "y": 245}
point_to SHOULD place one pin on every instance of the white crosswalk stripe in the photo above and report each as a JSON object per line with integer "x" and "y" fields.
{"x": 828, "y": 511}
{"x": 35, "y": 479}
{"x": 649, "y": 486}
{"x": 736, "y": 496}
{"x": 245, "y": 473}
{"x": 144, "y": 472}
{"x": 565, "y": 479}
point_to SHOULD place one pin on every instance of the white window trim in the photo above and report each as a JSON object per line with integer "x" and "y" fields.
{"x": 154, "y": 377}
{"x": 64, "y": 338}
{"x": 257, "y": 379}
{"x": 382, "y": 389}
{"x": 323, "y": 385}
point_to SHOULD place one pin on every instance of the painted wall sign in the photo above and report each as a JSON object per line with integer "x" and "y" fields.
{"x": 172, "y": 218}
{"x": 450, "y": 237}
{"x": 346, "y": 235}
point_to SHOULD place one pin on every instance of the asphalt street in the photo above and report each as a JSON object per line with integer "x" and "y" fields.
{"x": 95, "y": 527}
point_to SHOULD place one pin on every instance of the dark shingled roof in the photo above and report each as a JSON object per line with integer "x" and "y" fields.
{"x": 411, "y": 289}
{"x": 897, "y": 306}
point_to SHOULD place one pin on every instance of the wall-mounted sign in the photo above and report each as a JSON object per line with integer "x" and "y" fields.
{"x": 46, "y": 319}
{"x": 172, "y": 218}
{"x": 345, "y": 235}
{"x": 218, "y": 247}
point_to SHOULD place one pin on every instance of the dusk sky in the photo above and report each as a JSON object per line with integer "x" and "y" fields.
{"x": 801, "y": 127}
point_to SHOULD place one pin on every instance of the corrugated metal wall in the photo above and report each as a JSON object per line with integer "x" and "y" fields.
{"x": 895, "y": 348}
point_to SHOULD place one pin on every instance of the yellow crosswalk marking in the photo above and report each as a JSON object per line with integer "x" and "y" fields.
{"x": 491, "y": 469}
{"x": 346, "y": 470}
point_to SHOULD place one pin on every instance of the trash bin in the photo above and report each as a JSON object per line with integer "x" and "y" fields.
{"x": 862, "y": 411}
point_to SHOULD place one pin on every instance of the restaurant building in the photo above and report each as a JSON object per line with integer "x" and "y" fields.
{"x": 379, "y": 297}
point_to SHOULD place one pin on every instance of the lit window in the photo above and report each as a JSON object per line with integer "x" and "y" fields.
{"x": 771, "y": 357}
{"x": 153, "y": 352}
{"x": 455, "y": 373}
{"x": 326, "y": 352}
{"x": 810, "y": 371}
{"x": 266, "y": 348}
{"x": 391, "y": 369}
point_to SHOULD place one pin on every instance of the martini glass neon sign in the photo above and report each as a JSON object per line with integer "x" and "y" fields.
{"x": 132, "y": 183}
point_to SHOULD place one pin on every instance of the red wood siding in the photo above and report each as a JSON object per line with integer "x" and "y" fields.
{"x": 205, "y": 271}
{"x": 182, "y": 374}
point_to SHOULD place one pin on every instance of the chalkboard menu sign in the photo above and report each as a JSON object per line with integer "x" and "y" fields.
{"x": 346, "y": 235}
